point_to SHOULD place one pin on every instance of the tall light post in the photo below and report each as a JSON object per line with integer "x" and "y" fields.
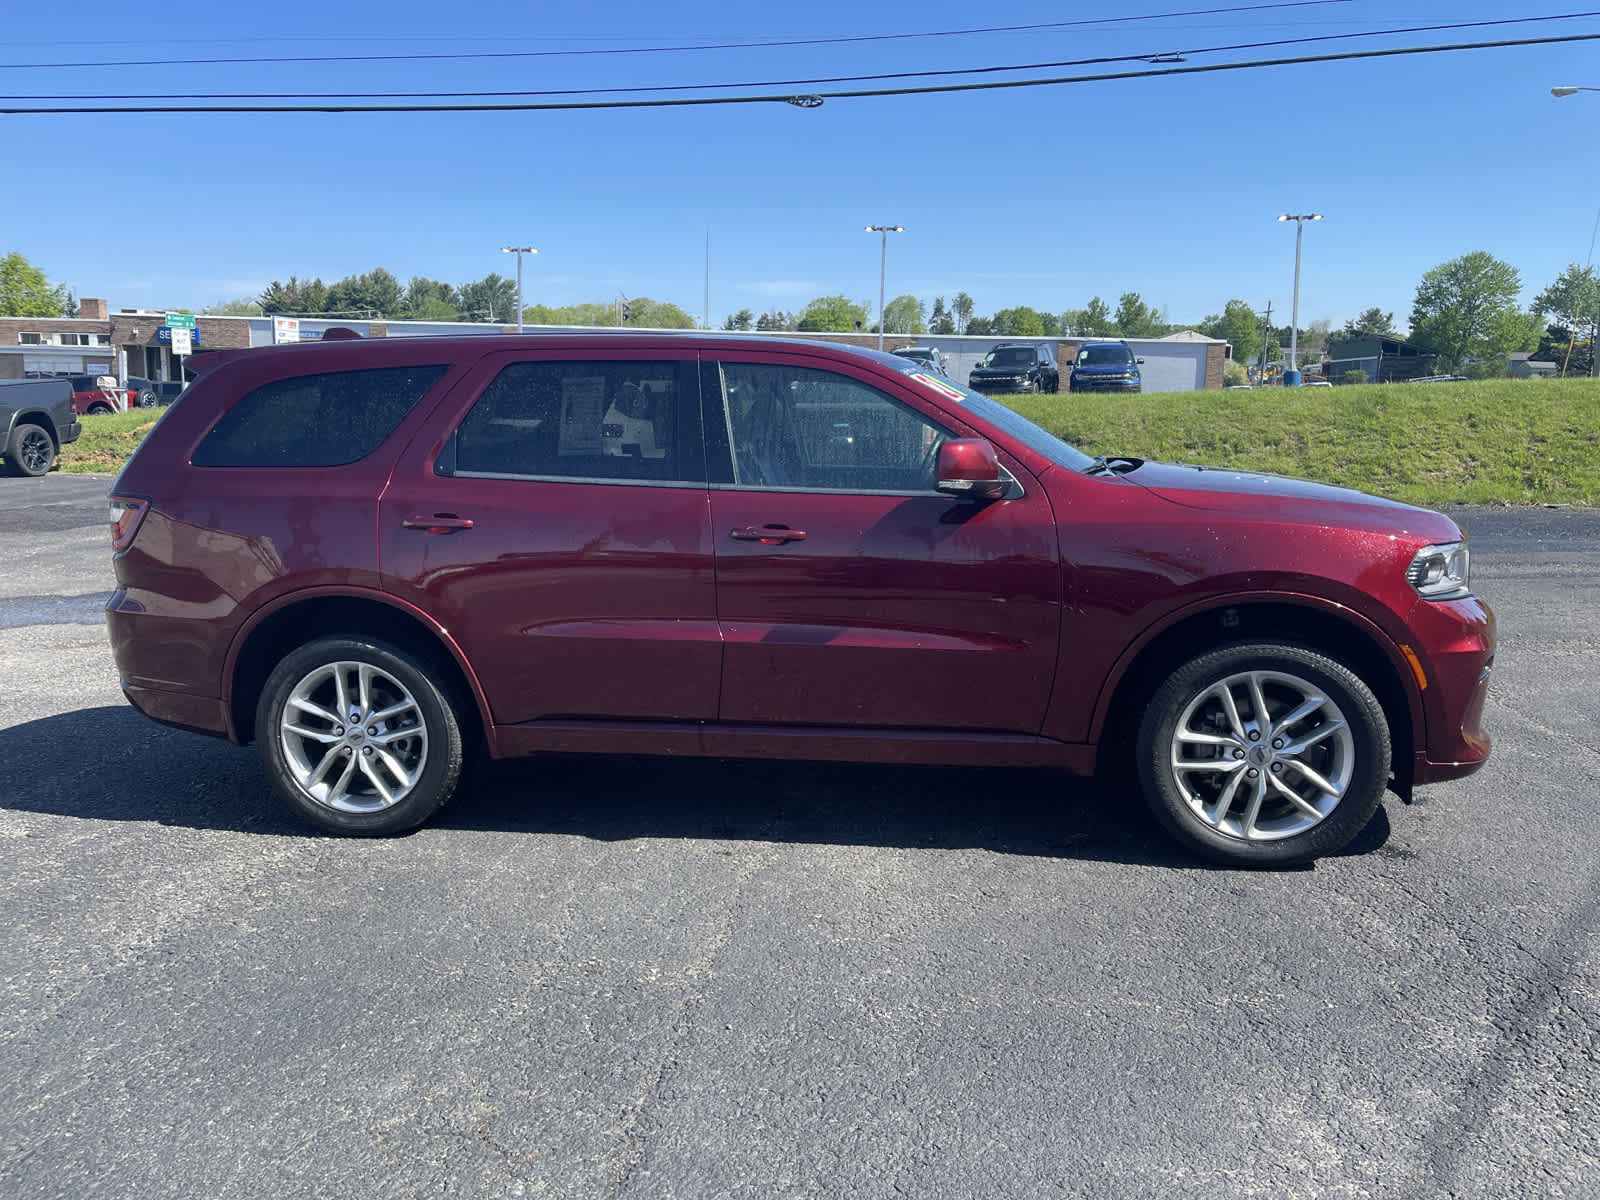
{"x": 1299, "y": 219}
{"x": 519, "y": 251}
{"x": 1594, "y": 339}
{"x": 883, "y": 261}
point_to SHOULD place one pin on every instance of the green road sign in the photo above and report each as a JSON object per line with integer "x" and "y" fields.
{"x": 176, "y": 320}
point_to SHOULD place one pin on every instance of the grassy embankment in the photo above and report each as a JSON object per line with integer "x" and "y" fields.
{"x": 1498, "y": 441}
{"x": 1503, "y": 441}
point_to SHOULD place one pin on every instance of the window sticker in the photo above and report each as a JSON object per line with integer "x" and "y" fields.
{"x": 583, "y": 405}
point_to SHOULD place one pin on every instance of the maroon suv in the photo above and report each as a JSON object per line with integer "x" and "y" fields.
{"x": 375, "y": 558}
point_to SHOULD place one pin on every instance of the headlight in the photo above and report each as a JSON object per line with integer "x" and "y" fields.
{"x": 1439, "y": 572}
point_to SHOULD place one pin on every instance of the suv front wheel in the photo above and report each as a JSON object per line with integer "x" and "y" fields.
{"x": 1264, "y": 754}
{"x": 357, "y": 736}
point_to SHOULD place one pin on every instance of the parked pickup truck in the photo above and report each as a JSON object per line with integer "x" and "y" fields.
{"x": 93, "y": 395}
{"x": 36, "y": 420}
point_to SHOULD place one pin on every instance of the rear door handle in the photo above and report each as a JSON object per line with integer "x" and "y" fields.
{"x": 768, "y": 535}
{"x": 438, "y": 523}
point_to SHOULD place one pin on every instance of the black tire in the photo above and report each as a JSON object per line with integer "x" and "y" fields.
{"x": 99, "y": 410}
{"x": 1343, "y": 740}
{"x": 424, "y": 742}
{"x": 146, "y": 399}
{"x": 30, "y": 450}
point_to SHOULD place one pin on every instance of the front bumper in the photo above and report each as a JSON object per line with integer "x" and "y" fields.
{"x": 1003, "y": 384}
{"x": 1091, "y": 384}
{"x": 1458, "y": 643}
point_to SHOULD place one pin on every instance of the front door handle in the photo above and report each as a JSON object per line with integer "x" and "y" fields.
{"x": 768, "y": 535}
{"x": 438, "y": 523}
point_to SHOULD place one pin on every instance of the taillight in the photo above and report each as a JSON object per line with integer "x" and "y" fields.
{"x": 127, "y": 513}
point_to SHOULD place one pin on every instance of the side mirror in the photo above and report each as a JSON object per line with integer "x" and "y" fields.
{"x": 968, "y": 467}
{"x": 1140, "y": 361}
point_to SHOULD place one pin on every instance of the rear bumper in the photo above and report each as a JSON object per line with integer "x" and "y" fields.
{"x": 198, "y": 714}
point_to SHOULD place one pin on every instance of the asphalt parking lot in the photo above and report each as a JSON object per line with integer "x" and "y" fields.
{"x": 638, "y": 978}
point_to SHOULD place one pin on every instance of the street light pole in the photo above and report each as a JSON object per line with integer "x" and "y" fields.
{"x": 1299, "y": 220}
{"x": 519, "y": 251}
{"x": 883, "y": 262}
{"x": 1594, "y": 339}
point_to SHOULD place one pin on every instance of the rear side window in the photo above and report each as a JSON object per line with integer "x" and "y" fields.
{"x": 583, "y": 420}
{"x": 315, "y": 420}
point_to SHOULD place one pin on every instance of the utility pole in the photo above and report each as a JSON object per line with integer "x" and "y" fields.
{"x": 1266, "y": 332}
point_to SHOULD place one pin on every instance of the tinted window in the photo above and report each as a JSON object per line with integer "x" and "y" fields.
{"x": 803, "y": 428}
{"x": 1104, "y": 356}
{"x": 582, "y": 420}
{"x": 1015, "y": 357}
{"x": 315, "y": 420}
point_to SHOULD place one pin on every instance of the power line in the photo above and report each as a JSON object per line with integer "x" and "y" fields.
{"x": 789, "y": 42}
{"x": 813, "y": 100}
{"x": 691, "y": 87}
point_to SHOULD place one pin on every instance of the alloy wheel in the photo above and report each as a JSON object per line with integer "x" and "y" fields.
{"x": 1262, "y": 755}
{"x": 353, "y": 737}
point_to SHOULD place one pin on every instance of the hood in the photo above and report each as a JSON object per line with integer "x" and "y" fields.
{"x": 1224, "y": 489}
{"x": 1106, "y": 368}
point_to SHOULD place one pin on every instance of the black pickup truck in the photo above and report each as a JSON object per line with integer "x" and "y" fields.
{"x": 35, "y": 422}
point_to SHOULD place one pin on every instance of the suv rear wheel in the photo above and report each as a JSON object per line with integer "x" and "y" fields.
{"x": 1264, "y": 754}
{"x": 357, "y": 736}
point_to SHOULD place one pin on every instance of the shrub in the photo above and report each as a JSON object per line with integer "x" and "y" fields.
{"x": 1353, "y": 375}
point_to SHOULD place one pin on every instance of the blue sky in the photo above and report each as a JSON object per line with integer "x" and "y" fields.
{"x": 1041, "y": 196}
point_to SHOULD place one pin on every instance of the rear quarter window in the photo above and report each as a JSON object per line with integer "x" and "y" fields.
{"x": 324, "y": 420}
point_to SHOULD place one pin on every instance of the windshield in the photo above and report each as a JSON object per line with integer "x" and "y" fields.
{"x": 1010, "y": 422}
{"x": 1104, "y": 356}
{"x": 919, "y": 354}
{"x": 1009, "y": 356}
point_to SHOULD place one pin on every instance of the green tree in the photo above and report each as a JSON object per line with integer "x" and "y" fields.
{"x": 430, "y": 300}
{"x": 1237, "y": 325}
{"x": 1467, "y": 309}
{"x": 1020, "y": 321}
{"x": 1574, "y": 298}
{"x": 1092, "y": 320}
{"x": 657, "y": 314}
{"x": 777, "y": 321}
{"x": 1135, "y": 318}
{"x": 244, "y": 306}
{"x": 961, "y": 309}
{"x": 25, "y": 292}
{"x": 492, "y": 298}
{"x": 744, "y": 319}
{"x": 376, "y": 293}
{"x": 942, "y": 321}
{"x": 904, "y": 314}
{"x": 306, "y": 296}
{"x": 980, "y": 326}
{"x": 1372, "y": 322}
{"x": 832, "y": 314}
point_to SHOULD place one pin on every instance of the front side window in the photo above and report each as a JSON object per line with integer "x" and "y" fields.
{"x": 798, "y": 427}
{"x": 323, "y": 420}
{"x": 581, "y": 420}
